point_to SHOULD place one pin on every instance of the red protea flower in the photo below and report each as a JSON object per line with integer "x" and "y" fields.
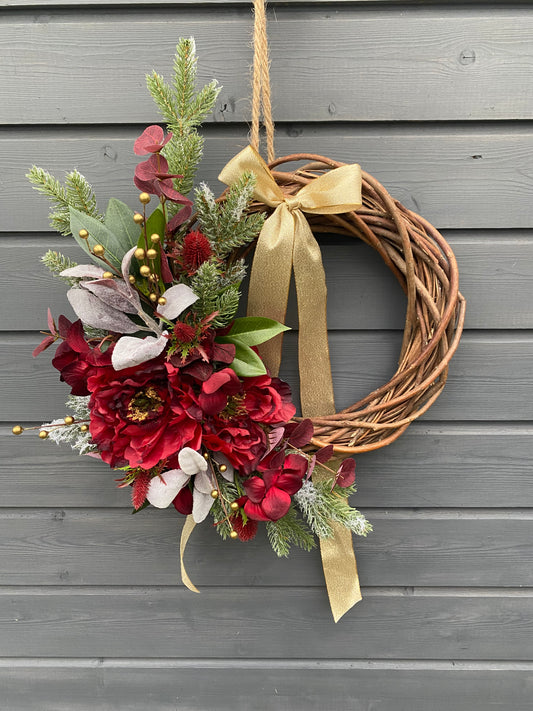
{"x": 245, "y": 531}
{"x": 140, "y": 489}
{"x": 196, "y": 250}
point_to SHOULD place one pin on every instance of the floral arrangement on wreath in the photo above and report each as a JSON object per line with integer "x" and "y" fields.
{"x": 166, "y": 383}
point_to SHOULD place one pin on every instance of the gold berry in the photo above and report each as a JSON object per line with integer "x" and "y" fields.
{"x": 144, "y": 198}
{"x": 145, "y": 271}
{"x": 155, "y": 238}
{"x": 223, "y": 468}
{"x": 234, "y": 506}
{"x": 17, "y": 430}
{"x": 98, "y": 250}
{"x": 68, "y": 420}
{"x": 107, "y": 275}
{"x": 131, "y": 279}
{"x": 139, "y": 253}
{"x": 206, "y": 455}
{"x": 43, "y": 434}
{"x": 153, "y": 277}
{"x": 161, "y": 301}
{"x": 83, "y": 234}
{"x": 153, "y": 298}
{"x": 138, "y": 218}
{"x": 214, "y": 494}
{"x": 151, "y": 254}
{"x": 234, "y": 535}
{"x": 84, "y": 428}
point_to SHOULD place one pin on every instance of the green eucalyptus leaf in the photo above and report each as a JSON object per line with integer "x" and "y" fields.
{"x": 119, "y": 219}
{"x": 115, "y": 247}
{"x": 247, "y": 364}
{"x": 253, "y": 330}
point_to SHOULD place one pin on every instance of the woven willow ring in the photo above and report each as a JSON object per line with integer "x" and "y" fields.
{"x": 425, "y": 266}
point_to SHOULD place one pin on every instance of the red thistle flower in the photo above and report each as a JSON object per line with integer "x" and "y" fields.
{"x": 140, "y": 489}
{"x": 184, "y": 332}
{"x": 245, "y": 531}
{"x": 196, "y": 250}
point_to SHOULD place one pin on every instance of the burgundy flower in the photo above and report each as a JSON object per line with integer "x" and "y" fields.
{"x": 74, "y": 358}
{"x": 139, "y": 418}
{"x": 245, "y": 531}
{"x": 243, "y": 442}
{"x": 196, "y": 250}
{"x": 269, "y": 497}
{"x": 218, "y": 393}
{"x": 268, "y": 400}
{"x": 152, "y": 140}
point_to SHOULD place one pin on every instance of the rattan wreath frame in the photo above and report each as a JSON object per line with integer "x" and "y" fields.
{"x": 426, "y": 269}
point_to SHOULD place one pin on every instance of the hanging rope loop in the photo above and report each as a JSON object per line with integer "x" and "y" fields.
{"x": 261, "y": 100}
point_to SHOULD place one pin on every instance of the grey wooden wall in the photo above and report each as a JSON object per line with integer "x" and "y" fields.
{"x": 436, "y": 100}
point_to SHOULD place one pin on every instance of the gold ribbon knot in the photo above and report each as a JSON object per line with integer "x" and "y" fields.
{"x": 286, "y": 244}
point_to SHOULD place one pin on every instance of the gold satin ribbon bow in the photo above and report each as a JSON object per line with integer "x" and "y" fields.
{"x": 286, "y": 244}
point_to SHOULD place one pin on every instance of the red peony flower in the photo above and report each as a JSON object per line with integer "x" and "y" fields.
{"x": 196, "y": 250}
{"x": 218, "y": 395}
{"x": 269, "y": 497}
{"x": 139, "y": 418}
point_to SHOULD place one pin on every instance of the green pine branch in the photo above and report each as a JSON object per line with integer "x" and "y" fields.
{"x": 76, "y": 193}
{"x": 183, "y": 109}
{"x": 289, "y": 530}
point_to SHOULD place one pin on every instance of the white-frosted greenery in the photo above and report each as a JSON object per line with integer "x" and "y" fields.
{"x": 320, "y": 505}
{"x": 56, "y": 263}
{"x": 60, "y": 433}
{"x": 227, "y": 224}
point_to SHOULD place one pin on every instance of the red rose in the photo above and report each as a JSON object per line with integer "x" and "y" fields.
{"x": 138, "y": 418}
{"x": 243, "y": 442}
{"x": 269, "y": 497}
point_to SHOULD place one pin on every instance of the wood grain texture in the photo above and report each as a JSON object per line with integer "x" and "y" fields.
{"x": 315, "y": 688}
{"x": 457, "y": 178}
{"x": 267, "y": 623}
{"x": 99, "y": 547}
{"x": 490, "y": 375}
{"x": 345, "y": 65}
{"x": 471, "y": 466}
{"x": 496, "y": 275}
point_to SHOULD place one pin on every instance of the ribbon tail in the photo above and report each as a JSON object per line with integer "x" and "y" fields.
{"x": 316, "y": 383}
{"x": 270, "y": 279}
{"x": 186, "y": 531}
{"x": 338, "y": 560}
{"x": 340, "y": 570}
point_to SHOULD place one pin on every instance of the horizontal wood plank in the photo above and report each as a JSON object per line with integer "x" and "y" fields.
{"x": 496, "y": 277}
{"x": 266, "y": 623}
{"x": 429, "y": 466}
{"x": 427, "y": 548}
{"x": 315, "y": 688}
{"x": 457, "y": 178}
{"x": 490, "y": 376}
{"x": 344, "y": 64}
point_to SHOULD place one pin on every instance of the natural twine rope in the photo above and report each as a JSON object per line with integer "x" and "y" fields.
{"x": 261, "y": 82}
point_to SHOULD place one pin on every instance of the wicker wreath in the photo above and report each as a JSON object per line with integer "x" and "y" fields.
{"x": 425, "y": 266}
